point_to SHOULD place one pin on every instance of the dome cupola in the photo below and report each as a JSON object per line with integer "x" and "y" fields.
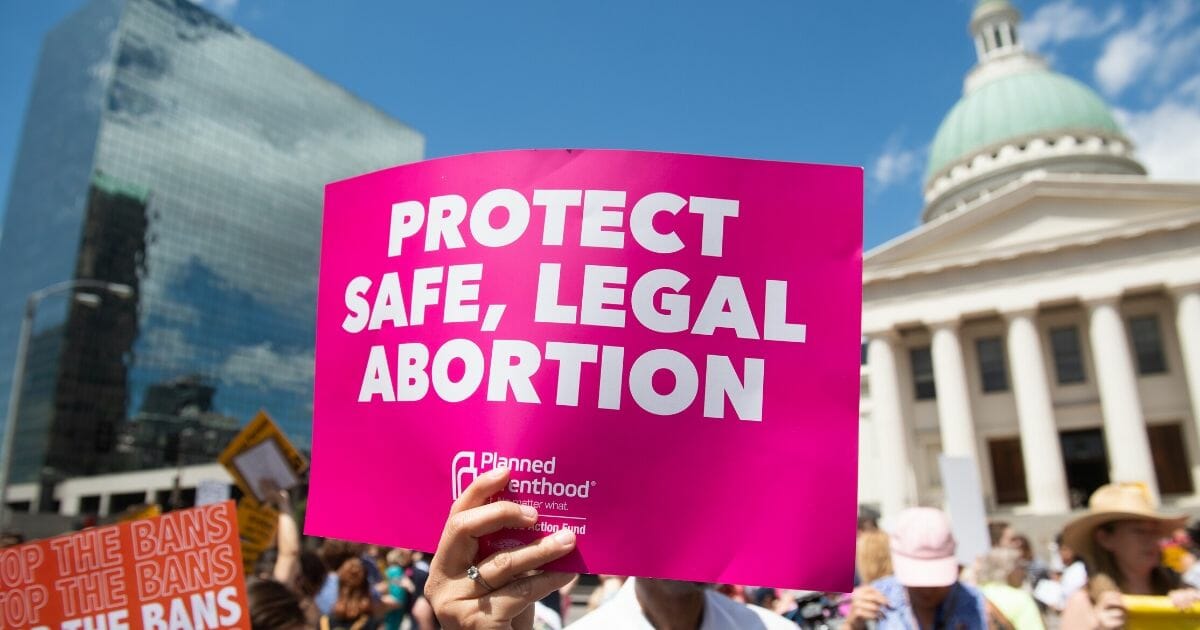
{"x": 994, "y": 27}
{"x": 1016, "y": 116}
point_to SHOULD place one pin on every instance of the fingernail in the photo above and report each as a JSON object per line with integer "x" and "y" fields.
{"x": 528, "y": 511}
{"x": 564, "y": 537}
{"x": 496, "y": 473}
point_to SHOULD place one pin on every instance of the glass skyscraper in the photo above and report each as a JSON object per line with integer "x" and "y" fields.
{"x": 166, "y": 149}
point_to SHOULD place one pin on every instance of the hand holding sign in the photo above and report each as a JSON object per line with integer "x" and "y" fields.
{"x": 275, "y": 496}
{"x": 261, "y": 453}
{"x": 505, "y": 585}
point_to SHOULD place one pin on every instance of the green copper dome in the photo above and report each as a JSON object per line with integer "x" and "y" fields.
{"x": 1016, "y": 106}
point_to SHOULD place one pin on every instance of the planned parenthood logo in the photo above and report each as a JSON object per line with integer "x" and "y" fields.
{"x": 467, "y": 465}
{"x": 462, "y": 472}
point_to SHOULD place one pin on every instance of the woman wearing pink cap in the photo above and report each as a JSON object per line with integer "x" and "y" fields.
{"x": 923, "y": 590}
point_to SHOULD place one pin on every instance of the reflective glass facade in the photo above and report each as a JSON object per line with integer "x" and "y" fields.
{"x": 167, "y": 149}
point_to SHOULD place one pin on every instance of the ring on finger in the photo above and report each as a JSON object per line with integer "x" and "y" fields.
{"x": 477, "y": 577}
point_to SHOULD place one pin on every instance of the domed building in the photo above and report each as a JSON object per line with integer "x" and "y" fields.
{"x": 1016, "y": 115}
{"x": 1044, "y": 320}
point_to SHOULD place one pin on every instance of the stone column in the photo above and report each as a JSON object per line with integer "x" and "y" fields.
{"x": 1125, "y": 436}
{"x": 888, "y": 417}
{"x": 1187, "y": 326}
{"x": 1045, "y": 477}
{"x": 953, "y": 396}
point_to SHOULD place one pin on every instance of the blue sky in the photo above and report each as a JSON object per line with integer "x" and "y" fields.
{"x": 862, "y": 83}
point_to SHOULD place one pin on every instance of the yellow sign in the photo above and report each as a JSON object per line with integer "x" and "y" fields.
{"x": 256, "y": 526}
{"x": 1144, "y": 612}
{"x": 262, "y": 453}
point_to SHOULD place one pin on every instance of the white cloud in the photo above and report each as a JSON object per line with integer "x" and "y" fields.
{"x": 895, "y": 163}
{"x": 1176, "y": 55}
{"x": 262, "y": 367}
{"x": 1167, "y": 136}
{"x": 1124, "y": 57}
{"x": 1063, "y": 21}
{"x": 1151, "y": 44}
{"x": 1190, "y": 89}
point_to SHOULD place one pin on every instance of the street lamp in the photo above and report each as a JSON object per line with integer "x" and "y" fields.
{"x": 181, "y": 438}
{"x": 122, "y": 291}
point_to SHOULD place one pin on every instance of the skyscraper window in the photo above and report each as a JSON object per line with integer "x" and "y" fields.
{"x": 171, "y": 151}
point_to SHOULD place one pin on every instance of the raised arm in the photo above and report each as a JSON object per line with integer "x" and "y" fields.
{"x": 287, "y": 536}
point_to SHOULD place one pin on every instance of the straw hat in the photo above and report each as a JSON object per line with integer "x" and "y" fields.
{"x": 1114, "y": 502}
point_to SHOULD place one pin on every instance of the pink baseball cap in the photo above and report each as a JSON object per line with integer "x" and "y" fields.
{"x": 922, "y": 548}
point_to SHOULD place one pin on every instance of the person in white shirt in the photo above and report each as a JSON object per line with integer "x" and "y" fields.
{"x": 1074, "y": 575}
{"x": 645, "y": 604}
{"x": 500, "y": 591}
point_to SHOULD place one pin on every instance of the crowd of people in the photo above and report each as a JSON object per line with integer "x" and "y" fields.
{"x": 334, "y": 584}
{"x": 908, "y": 577}
{"x": 1121, "y": 546}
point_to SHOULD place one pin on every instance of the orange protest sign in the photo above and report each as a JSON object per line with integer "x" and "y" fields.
{"x": 261, "y": 453}
{"x": 256, "y": 527}
{"x": 147, "y": 574}
{"x": 1144, "y": 612}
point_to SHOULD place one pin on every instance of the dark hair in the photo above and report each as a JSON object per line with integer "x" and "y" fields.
{"x": 1024, "y": 546}
{"x": 273, "y": 606}
{"x": 264, "y": 567}
{"x": 312, "y": 573}
{"x": 334, "y": 553}
{"x": 996, "y": 530}
{"x": 868, "y": 519}
{"x": 354, "y": 596}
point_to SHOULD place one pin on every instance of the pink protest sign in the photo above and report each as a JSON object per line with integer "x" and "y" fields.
{"x": 664, "y": 349}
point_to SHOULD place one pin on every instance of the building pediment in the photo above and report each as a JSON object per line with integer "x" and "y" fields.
{"x": 1037, "y": 214}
